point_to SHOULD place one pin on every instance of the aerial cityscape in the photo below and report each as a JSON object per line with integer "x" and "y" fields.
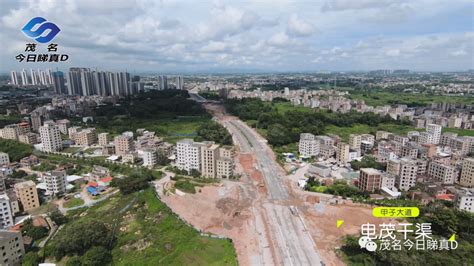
{"x": 237, "y": 133}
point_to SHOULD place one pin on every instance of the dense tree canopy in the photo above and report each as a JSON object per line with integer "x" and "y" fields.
{"x": 368, "y": 162}
{"x": 213, "y": 131}
{"x": 79, "y": 237}
{"x": 134, "y": 182}
{"x": 292, "y": 123}
{"x": 16, "y": 150}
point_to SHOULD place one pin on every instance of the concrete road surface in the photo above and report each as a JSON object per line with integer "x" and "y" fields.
{"x": 292, "y": 242}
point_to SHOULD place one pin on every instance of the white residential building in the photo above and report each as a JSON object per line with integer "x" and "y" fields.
{"x": 55, "y": 182}
{"x": 355, "y": 141}
{"x": 4, "y": 158}
{"x": 435, "y": 131}
{"x": 441, "y": 172}
{"x": 342, "y": 153}
{"x": 63, "y": 126}
{"x": 406, "y": 177}
{"x": 104, "y": 139}
{"x": 12, "y": 247}
{"x": 467, "y": 173}
{"x": 188, "y": 155}
{"x": 464, "y": 200}
{"x": 149, "y": 157}
{"x": 51, "y": 138}
{"x": 6, "y": 215}
{"x": 308, "y": 146}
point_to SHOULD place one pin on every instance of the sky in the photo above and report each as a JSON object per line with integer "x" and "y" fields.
{"x": 173, "y": 36}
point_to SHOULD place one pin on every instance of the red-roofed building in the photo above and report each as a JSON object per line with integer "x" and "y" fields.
{"x": 448, "y": 197}
{"x": 92, "y": 184}
{"x": 105, "y": 181}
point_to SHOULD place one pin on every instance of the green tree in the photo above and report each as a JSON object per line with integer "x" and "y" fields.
{"x": 161, "y": 158}
{"x": 79, "y": 237}
{"x": 16, "y": 150}
{"x": 74, "y": 261}
{"x": 278, "y": 135}
{"x": 213, "y": 131}
{"x": 35, "y": 232}
{"x": 58, "y": 217}
{"x": 96, "y": 256}
{"x": 31, "y": 259}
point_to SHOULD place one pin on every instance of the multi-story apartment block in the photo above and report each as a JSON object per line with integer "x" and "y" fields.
{"x": 368, "y": 137}
{"x": 308, "y": 146}
{"x": 422, "y": 166}
{"x": 355, "y": 141}
{"x": 464, "y": 145}
{"x": 3, "y": 187}
{"x": 464, "y": 200}
{"x": 327, "y": 151}
{"x": 388, "y": 181}
{"x": 225, "y": 163}
{"x": 104, "y": 139}
{"x": 441, "y": 172}
{"x": 4, "y": 158}
{"x": 36, "y": 121}
{"x": 379, "y": 135}
{"x": 342, "y": 152}
{"x": 370, "y": 179}
{"x": 385, "y": 152}
{"x": 447, "y": 138}
{"x": 123, "y": 144}
{"x": 11, "y": 132}
{"x": 11, "y": 245}
{"x": 409, "y": 151}
{"x": 63, "y": 126}
{"x": 401, "y": 139}
{"x": 188, "y": 155}
{"x": 72, "y": 131}
{"x": 28, "y": 138}
{"x": 27, "y": 194}
{"x": 149, "y": 157}
{"x": 455, "y": 122}
{"x": 85, "y": 137}
{"x": 24, "y": 128}
{"x": 6, "y": 214}
{"x": 366, "y": 146}
{"x": 50, "y": 138}
{"x": 55, "y": 182}
{"x": 406, "y": 178}
{"x": 467, "y": 173}
{"x": 325, "y": 140}
{"x": 209, "y": 155}
{"x": 393, "y": 166}
{"x": 435, "y": 132}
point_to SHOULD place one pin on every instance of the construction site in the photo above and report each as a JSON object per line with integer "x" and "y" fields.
{"x": 268, "y": 225}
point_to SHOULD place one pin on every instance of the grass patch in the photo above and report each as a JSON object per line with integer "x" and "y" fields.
{"x": 149, "y": 233}
{"x": 186, "y": 186}
{"x": 344, "y": 132}
{"x": 460, "y": 131}
{"x": 16, "y": 150}
{"x": 71, "y": 150}
{"x": 73, "y": 203}
{"x": 411, "y": 99}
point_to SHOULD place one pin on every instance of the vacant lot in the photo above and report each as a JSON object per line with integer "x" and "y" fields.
{"x": 149, "y": 233}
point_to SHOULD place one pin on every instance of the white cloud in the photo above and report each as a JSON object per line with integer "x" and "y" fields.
{"x": 299, "y": 27}
{"x": 177, "y": 35}
{"x": 280, "y": 39}
{"x": 458, "y": 53}
{"x": 393, "y": 52}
